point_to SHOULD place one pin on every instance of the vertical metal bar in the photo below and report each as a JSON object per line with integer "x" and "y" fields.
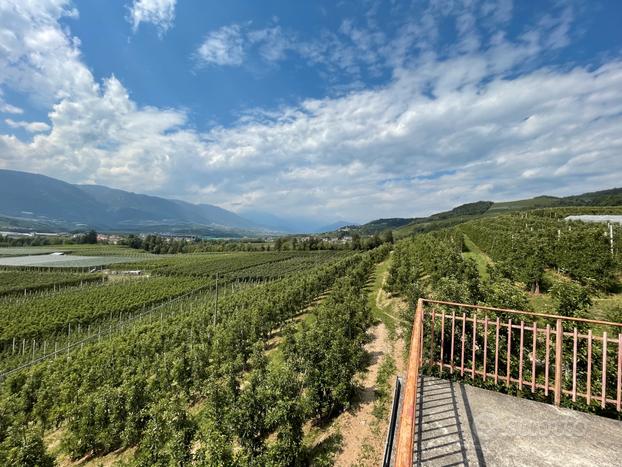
{"x": 574, "y": 365}
{"x": 520, "y": 355}
{"x": 421, "y": 339}
{"x": 432, "y": 336}
{"x": 474, "y": 344}
{"x": 462, "y": 339}
{"x": 534, "y": 355}
{"x": 442, "y": 339}
{"x": 604, "y": 382}
{"x": 547, "y": 359}
{"x": 619, "y": 395}
{"x": 588, "y": 388}
{"x": 485, "y": 344}
{"x": 453, "y": 334}
{"x": 558, "y": 361}
{"x": 497, "y": 350}
{"x": 509, "y": 358}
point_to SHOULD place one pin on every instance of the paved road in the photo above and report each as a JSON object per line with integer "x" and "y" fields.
{"x": 462, "y": 425}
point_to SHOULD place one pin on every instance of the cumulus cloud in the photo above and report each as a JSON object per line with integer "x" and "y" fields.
{"x": 475, "y": 124}
{"x": 32, "y": 127}
{"x": 224, "y": 46}
{"x": 7, "y": 108}
{"x": 396, "y": 150}
{"x": 36, "y": 56}
{"x": 160, "y": 13}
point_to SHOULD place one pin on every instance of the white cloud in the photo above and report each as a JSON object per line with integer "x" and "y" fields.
{"x": 161, "y": 13}
{"x": 442, "y": 131}
{"x": 478, "y": 135}
{"x": 32, "y": 127}
{"x": 225, "y": 46}
{"x": 36, "y": 56}
{"x": 273, "y": 42}
{"x": 7, "y": 108}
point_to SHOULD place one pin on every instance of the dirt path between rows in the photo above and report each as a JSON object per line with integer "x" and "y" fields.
{"x": 363, "y": 434}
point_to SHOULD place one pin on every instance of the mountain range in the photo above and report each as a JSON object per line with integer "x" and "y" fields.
{"x": 37, "y": 202}
{"x": 40, "y": 203}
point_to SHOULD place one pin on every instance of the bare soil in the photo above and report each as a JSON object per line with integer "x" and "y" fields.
{"x": 364, "y": 435}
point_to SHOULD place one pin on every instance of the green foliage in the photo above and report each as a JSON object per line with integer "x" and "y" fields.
{"x": 269, "y": 404}
{"x": 523, "y": 245}
{"x": 89, "y": 238}
{"x": 236, "y": 265}
{"x": 24, "y": 447}
{"x": 500, "y": 292}
{"x": 383, "y": 387}
{"x": 571, "y": 298}
{"x": 168, "y": 435}
{"x": 44, "y": 315}
{"x": 134, "y": 388}
{"x": 434, "y": 261}
{"x": 15, "y": 282}
{"x": 330, "y": 352}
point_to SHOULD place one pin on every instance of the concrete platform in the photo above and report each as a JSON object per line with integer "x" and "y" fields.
{"x": 458, "y": 424}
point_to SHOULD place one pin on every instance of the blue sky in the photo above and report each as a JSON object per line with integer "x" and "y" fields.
{"x": 322, "y": 110}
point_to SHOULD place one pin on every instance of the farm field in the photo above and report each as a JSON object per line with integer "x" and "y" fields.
{"x": 205, "y": 340}
{"x": 210, "y": 264}
{"x": 23, "y": 282}
{"x": 84, "y": 250}
{"x": 63, "y": 261}
{"x": 533, "y": 261}
{"x": 73, "y": 256}
{"x": 185, "y": 359}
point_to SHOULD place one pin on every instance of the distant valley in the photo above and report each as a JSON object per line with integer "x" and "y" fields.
{"x": 40, "y": 203}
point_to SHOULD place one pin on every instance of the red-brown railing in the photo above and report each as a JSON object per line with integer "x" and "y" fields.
{"x": 406, "y": 432}
{"x": 563, "y": 357}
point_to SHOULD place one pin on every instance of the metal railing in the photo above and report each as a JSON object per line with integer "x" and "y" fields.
{"x": 577, "y": 359}
{"x": 393, "y": 419}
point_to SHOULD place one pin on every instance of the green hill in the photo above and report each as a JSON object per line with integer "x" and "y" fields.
{"x": 403, "y": 227}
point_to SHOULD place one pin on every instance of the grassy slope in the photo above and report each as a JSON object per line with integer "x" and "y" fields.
{"x": 482, "y": 260}
{"x": 379, "y": 313}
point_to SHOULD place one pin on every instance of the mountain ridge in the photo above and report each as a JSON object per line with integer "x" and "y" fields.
{"x": 48, "y": 202}
{"x": 468, "y": 211}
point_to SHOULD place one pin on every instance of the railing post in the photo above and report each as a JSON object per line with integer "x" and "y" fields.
{"x": 559, "y": 333}
{"x": 405, "y": 440}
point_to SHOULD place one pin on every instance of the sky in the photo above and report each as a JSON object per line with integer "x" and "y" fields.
{"x": 326, "y": 110}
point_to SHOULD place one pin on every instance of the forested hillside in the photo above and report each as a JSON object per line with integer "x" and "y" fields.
{"x": 404, "y": 227}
